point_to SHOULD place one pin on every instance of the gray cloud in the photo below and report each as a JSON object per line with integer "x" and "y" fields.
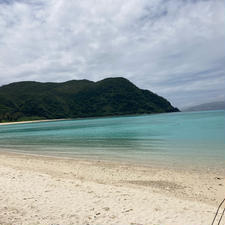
{"x": 174, "y": 48}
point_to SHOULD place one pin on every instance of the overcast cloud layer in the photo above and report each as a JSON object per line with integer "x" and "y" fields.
{"x": 175, "y": 48}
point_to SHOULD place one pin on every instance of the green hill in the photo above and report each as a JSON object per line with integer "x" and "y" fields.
{"x": 77, "y": 98}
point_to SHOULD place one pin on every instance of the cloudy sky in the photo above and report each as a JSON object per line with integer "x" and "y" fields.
{"x": 175, "y": 48}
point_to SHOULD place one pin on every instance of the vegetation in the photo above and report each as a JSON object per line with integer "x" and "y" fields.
{"x": 77, "y": 98}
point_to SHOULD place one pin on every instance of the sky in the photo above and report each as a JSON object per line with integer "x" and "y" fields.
{"x": 175, "y": 48}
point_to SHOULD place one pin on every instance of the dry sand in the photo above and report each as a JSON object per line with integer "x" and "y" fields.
{"x": 31, "y": 121}
{"x": 56, "y": 191}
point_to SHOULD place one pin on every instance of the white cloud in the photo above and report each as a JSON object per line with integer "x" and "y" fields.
{"x": 175, "y": 48}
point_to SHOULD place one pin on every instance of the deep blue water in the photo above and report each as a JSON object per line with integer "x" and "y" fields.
{"x": 170, "y": 138}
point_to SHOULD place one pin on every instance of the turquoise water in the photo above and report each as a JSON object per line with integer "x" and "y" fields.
{"x": 170, "y": 138}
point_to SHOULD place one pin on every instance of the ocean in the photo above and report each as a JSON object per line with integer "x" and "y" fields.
{"x": 171, "y": 139}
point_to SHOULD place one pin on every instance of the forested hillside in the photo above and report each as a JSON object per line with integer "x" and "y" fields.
{"x": 77, "y": 98}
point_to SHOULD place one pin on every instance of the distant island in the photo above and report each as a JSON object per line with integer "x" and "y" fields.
{"x": 29, "y": 100}
{"x": 206, "y": 106}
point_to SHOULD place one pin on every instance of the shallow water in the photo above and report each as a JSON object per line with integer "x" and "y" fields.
{"x": 187, "y": 138}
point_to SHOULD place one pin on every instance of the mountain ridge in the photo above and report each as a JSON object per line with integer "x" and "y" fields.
{"x": 217, "y": 105}
{"x": 27, "y": 100}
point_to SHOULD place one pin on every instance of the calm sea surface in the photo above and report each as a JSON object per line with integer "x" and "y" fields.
{"x": 172, "y": 138}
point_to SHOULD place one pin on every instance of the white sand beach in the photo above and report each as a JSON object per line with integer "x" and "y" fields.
{"x": 47, "y": 190}
{"x": 30, "y": 121}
